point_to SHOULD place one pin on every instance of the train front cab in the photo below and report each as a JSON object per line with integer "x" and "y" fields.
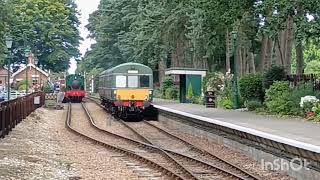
{"x": 133, "y": 98}
{"x": 126, "y": 90}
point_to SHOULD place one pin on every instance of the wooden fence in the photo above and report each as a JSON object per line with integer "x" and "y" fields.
{"x": 314, "y": 79}
{"x": 14, "y": 111}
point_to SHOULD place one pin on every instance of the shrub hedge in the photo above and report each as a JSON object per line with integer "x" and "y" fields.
{"x": 252, "y": 105}
{"x": 275, "y": 73}
{"x": 166, "y": 83}
{"x": 251, "y": 87}
{"x": 172, "y": 93}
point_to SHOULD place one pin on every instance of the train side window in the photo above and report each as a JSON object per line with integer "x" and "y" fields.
{"x": 121, "y": 81}
{"x": 105, "y": 81}
{"x": 144, "y": 81}
{"x": 132, "y": 81}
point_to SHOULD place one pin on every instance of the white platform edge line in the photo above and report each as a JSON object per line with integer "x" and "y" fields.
{"x": 269, "y": 136}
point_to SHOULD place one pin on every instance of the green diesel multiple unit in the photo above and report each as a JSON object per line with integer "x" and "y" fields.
{"x": 126, "y": 89}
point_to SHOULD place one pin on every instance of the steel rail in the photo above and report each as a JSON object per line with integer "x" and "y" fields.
{"x": 146, "y": 146}
{"x": 247, "y": 175}
{"x": 121, "y": 150}
{"x": 187, "y": 157}
{"x": 205, "y": 152}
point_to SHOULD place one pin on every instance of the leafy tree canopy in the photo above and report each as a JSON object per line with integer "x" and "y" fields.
{"x": 47, "y": 27}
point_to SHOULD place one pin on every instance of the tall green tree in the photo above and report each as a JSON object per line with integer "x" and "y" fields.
{"x": 49, "y": 28}
{"x": 198, "y": 34}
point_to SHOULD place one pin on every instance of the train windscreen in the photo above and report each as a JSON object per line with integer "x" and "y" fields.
{"x": 144, "y": 81}
{"x": 121, "y": 81}
{"x": 132, "y": 81}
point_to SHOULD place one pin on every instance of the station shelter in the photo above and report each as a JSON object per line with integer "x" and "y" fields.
{"x": 188, "y": 77}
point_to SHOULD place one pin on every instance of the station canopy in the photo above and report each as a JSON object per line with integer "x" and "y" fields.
{"x": 186, "y": 71}
{"x": 189, "y": 79}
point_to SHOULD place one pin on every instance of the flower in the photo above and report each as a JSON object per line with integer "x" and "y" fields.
{"x": 311, "y": 99}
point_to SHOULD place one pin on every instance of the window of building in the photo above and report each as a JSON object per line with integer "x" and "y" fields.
{"x": 34, "y": 80}
{"x": 144, "y": 81}
{"x": 132, "y": 81}
{"x": 0, "y": 81}
{"x": 121, "y": 81}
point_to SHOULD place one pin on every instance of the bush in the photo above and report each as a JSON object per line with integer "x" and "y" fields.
{"x": 172, "y": 93}
{"x": 252, "y": 105}
{"x": 198, "y": 100}
{"x": 190, "y": 92}
{"x": 251, "y": 87}
{"x": 213, "y": 82}
{"x": 227, "y": 104}
{"x": 47, "y": 89}
{"x": 278, "y": 99}
{"x": 22, "y": 87}
{"x": 303, "y": 89}
{"x": 166, "y": 83}
{"x": 275, "y": 73}
{"x": 282, "y": 100}
{"x": 157, "y": 93}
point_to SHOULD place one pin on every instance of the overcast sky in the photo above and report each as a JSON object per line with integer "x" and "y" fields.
{"x": 86, "y": 7}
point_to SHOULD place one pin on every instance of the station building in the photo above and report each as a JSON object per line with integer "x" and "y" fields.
{"x": 36, "y": 77}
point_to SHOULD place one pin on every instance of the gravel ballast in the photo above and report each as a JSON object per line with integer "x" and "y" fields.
{"x": 41, "y": 147}
{"x": 105, "y": 121}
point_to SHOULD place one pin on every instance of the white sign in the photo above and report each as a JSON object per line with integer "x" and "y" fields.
{"x": 133, "y": 71}
{"x": 36, "y": 100}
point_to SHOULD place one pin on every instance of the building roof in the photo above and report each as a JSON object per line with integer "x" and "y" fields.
{"x": 189, "y": 71}
{"x": 30, "y": 65}
{"x": 4, "y": 68}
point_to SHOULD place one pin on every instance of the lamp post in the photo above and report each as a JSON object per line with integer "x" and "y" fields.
{"x": 9, "y": 41}
{"x": 235, "y": 74}
{"x": 36, "y": 74}
{"x": 26, "y": 54}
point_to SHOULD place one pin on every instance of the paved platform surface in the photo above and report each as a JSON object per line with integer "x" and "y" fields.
{"x": 291, "y": 128}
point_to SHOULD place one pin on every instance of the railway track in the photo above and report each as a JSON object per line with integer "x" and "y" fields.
{"x": 154, "y": 163}
{"x": 198, "y": 162}
{"x": 164, "y": 139}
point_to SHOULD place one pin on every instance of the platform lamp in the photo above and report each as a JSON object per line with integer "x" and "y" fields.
{"x": 9, "y": 42}
{"x": 27, "y": 54}
{"x": 36, "y": 71}
{"x": 236, "y": 104}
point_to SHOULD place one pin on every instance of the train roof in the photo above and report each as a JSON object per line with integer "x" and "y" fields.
{"x": 125, "y": 67}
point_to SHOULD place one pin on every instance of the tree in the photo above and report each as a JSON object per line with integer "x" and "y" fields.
{"x": 190, "y": 92}
{"x": 49, "y": 28}
{"x": 198, "y": 34}
{"x": 313, "y": 67}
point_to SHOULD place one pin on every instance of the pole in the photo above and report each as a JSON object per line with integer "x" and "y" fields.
{"x": 27, "y": 84}
{"x": 236, "y": 104}
{"x": 84, "y": 82}
{"x": 92, "y": 84}
{"x": 8, "y": 88}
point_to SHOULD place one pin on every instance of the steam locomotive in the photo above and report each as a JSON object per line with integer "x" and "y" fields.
{"x": 74, "y": 91}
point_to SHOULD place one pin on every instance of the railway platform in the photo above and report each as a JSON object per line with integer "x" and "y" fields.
{"x": 291, "y": 128}
{"x": 263, "y": 138}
